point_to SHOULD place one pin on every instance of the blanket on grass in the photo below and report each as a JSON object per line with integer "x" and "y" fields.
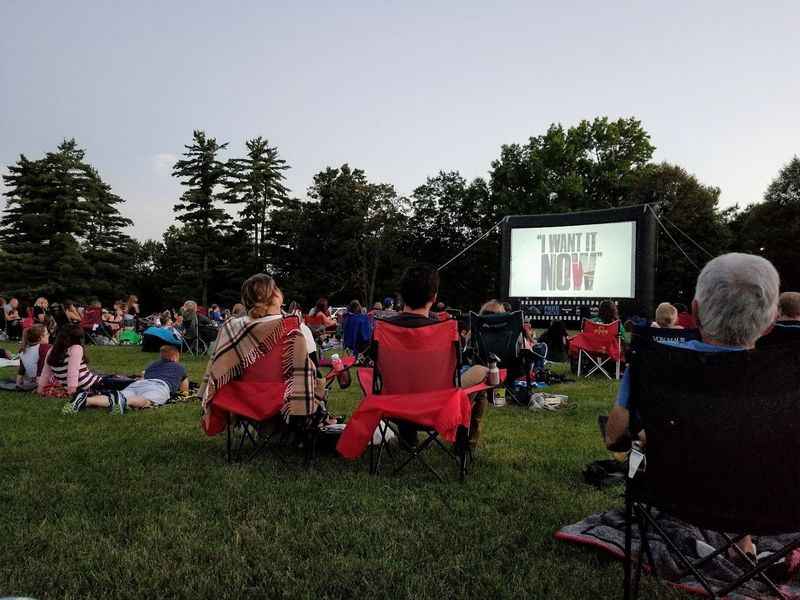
{"x": 606, "y": 531}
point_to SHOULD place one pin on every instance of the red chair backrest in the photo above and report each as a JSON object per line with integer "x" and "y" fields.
{"x": 598, "y": 337}
{"x": 601, "y": 330}
{"x": 416, "y": 359}
{"x": 315, "y": 320}
{"x": 269, "y": 367}
{"x": 202, "y": 310}
{"x": 92, "y": 315}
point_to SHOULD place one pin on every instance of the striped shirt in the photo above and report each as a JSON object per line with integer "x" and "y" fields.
{"x": 74, "y": 371}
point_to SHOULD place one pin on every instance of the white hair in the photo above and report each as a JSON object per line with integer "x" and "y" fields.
{"x": 737, "y": 298}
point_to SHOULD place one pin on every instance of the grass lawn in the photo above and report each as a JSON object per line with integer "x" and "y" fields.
{"x": 144, "y": 506}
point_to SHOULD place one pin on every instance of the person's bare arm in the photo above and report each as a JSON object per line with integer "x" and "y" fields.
{"x": 617, "y": 436}
{"x": 44, "y": 378}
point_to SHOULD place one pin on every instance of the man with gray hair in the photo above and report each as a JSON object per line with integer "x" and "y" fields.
{"x": 735, "y": 302}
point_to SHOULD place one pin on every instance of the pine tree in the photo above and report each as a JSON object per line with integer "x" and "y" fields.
{"x": 257, "y": 182}
{"x": 202, "y": 173}
{"x": 59, "y": 210}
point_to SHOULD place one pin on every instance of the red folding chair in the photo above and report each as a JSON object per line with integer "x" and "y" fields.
{"x": 415, "y": 380}
{"x": 92, "y": 323}
{"x": 599, "y": 343}
{"x": 247, "y": 403}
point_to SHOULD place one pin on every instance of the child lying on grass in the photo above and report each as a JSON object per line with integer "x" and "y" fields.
{"x": 162, "y": 379}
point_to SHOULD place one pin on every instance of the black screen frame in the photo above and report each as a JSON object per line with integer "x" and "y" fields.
{"x": 644, "y": 252}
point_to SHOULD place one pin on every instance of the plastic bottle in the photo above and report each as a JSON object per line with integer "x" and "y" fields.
{"x": 493, "y": 378}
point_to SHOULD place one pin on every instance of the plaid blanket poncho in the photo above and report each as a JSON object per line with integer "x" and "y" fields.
{"x": 242, "y": 341}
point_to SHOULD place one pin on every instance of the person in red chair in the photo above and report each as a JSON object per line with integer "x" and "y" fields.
{"x": 419, "y": 288}
{"x": 243, "y": 341}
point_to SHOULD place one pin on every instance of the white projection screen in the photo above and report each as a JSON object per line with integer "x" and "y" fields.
{"x": 575, "y": 261}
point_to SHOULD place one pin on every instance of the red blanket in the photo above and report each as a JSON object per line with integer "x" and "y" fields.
{"x": 442, "y": 410}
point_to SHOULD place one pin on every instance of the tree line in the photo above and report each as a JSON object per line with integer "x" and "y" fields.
{"x": 62, "y": 235}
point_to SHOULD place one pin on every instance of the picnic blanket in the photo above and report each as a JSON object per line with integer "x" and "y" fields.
{"x": 606, "y": 531}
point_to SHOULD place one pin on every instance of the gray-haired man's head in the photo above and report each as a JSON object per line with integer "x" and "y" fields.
{"x": 736, "y": 299}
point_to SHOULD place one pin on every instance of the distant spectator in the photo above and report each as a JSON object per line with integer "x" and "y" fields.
{"x": 40, "y": 308}
{"x": 666, "y": 317}
{"x": 492, "y": 307}
{"x": 685, "y": 318}
{"x": 13, "y": 319}
{"x": 787, "y": 328}
{"x": 388, "y": 303}
{"x": 215, "y": 314}
{"x": 607, "y": 313}
{"x": 195, "y": 324}
{"x": 72, "y": 312}
{"x": 557, "y": 341}
{"x": 238, "y": 310}
{"x": 35, "y": 346}
{"x": 376, "y": 307}
{"x": 131, "y": 311}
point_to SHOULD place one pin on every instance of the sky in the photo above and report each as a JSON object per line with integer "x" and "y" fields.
{"x": 399, "y": 89}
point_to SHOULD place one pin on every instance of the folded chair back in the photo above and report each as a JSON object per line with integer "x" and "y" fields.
{"x": 723, "y": 436}
{"x": 415, "y": 359}
{"x": 497, "y": 334}
{"x": 92, "y": 316}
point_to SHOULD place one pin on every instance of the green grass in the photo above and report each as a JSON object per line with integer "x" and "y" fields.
{"x": 102, "y": 506}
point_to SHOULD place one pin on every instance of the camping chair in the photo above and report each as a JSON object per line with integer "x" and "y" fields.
{"x": 500, "y": 335}
{"x": 193, "y": 343}
{"x": 247, "y": 405}
{"x": 92, "y": 325}
{"x": 415, "y": 381}
{"x": 722, "y": 454}
{"x": 598, "y": 343}
{"x": 357, "y": 333}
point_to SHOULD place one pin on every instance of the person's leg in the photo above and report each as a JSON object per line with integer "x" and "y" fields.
{"x": 473, "y": 376}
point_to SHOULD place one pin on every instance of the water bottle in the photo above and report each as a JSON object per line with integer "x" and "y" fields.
{"x": 336, "y": 362}
{"x": 493, "y": 378}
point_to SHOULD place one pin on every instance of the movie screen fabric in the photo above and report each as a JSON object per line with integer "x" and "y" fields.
{"x": 577, "y": 261}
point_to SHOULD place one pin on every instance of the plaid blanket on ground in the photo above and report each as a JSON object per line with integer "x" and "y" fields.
{"x": 241, "y": 342}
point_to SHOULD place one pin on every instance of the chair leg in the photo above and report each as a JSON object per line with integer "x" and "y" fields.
{"x": 642, "y": 524}
{"x": 628, "y": 563}
{"x": 228, "y": 440}
{"x": 580, "y": 356}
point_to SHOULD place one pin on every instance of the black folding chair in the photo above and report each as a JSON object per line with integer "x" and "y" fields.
{"x": 500, "y": 335}
{"x": 722, "y": 452}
